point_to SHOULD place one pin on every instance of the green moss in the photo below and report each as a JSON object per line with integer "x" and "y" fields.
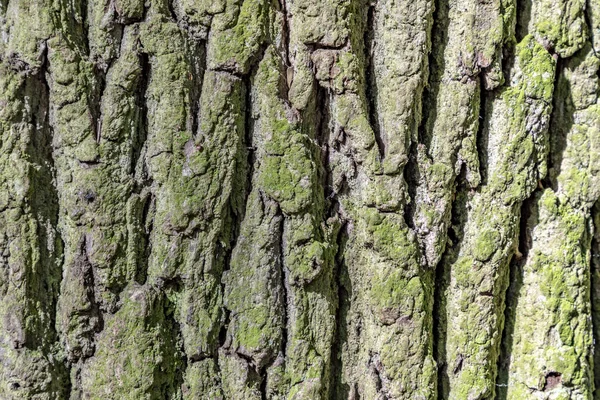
{"x": 29, "y": 24}
{"x": 486, "y": 244}
{"x": 390, "y": 236}
{"x": 326, "y": 22}
{"x": 558, "y": 302}
{"x": 514, "y": 174}
{"x": 289, "y": 178}
{"x": 129, "y": 10}
{"x": 395, "y": 295}
{"x": 137, "y": 348}
{"x": 561, "y": 24}
{"x": 537, "y": 66}
{"x": 288, "y": 172}
{"x": 439, "y": 176}
{"x": 385, "y": 194}
{"x": 234, "y": 49}
{"x": 250, "y": 333}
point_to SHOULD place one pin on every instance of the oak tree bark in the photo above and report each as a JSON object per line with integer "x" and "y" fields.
{"x": 299, "y": 199}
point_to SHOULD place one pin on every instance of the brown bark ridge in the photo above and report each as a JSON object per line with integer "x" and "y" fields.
{"x": 299, "y": 199}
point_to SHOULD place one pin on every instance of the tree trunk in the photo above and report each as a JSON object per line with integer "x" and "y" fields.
{"x": 299, "y": 199}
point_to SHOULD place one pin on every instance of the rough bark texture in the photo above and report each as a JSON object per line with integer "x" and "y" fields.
{"x": 299, "y": 199}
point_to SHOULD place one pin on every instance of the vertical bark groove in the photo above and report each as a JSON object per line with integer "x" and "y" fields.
{"x": 256, "y": 199}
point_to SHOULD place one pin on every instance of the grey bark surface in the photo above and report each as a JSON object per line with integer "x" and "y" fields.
{"x": 299, "y": 199}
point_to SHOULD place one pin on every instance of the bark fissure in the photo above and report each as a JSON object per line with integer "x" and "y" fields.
{"x": 370, "y": 80}
{"x": 314, "y": 200}
{"x": 482, "y": 136}
{"x": 527, "y": 221}
{"x": 595, "y": 291}
{"x": 343, "y": 298}
{"x": 285, "y": 284}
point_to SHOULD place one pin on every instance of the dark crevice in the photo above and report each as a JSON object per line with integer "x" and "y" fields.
{"x": 429, "y": 109}
{"x": 561, "y": 121}
{"x": 285, "y": 287}
{"x": 371, "y": 82}
{"x": 197, "y": 61}
{"x": 138, "y": 171}
{"x": 237, "y": 209}
{"x": 523, "y": 13}
{"x": 263, "y": 384}
{"x": 285, "y": 32}
{"x": 51, "y": 203}
{"x": 552, "y": 380}
{"x": 527, "y": 221}
{"x": 139, "y": 140}
{"x": 458, "y": 219}
{"x": 411, "y": 177}
{"x": 340, "y": 390}
{"x": 75, "y": 381}
{"x": 224, "y": 252}
{"x": 230, "y": 238}
{"x": 595, "y": 295}
{"x": 42, "y": 284}
{"x": 332, "y": 192}
{"x": 323, "y": 138}
{"x": 249, "y": 144}
{"x": 223, "y": 331}
{"x": 442, "y": 279}
{"x": 85, "y": 27}
{"x": 437, "y": 66}
{"x": 248, "y": 359}
{"x": 90, "y": 284}
{"x": 233, "y": 68}
{"x": 44, "y": 203}
{"x": 3, "y": 7}
{"x": 483, "y": 132}
{"x": 146, "y": 225}
{"x": 95, "y": 100}
{"x": 313, "y": 46}
{"x": 147, "y": 6}
{"x": 90, "y": 164}
{"x": 172, "y": 12}
{"x": 229, "y": 69}
{"x": 245, "y": 171}
{"x": 172, "y": 284}
{"x": 588, "y": 22}
{"x": 194, "y": 358}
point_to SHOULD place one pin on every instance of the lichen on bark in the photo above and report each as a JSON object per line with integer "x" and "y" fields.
{"x": 299, "y": 199}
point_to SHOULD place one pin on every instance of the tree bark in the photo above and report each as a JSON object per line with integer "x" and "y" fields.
{"x": 299, "y": 199}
